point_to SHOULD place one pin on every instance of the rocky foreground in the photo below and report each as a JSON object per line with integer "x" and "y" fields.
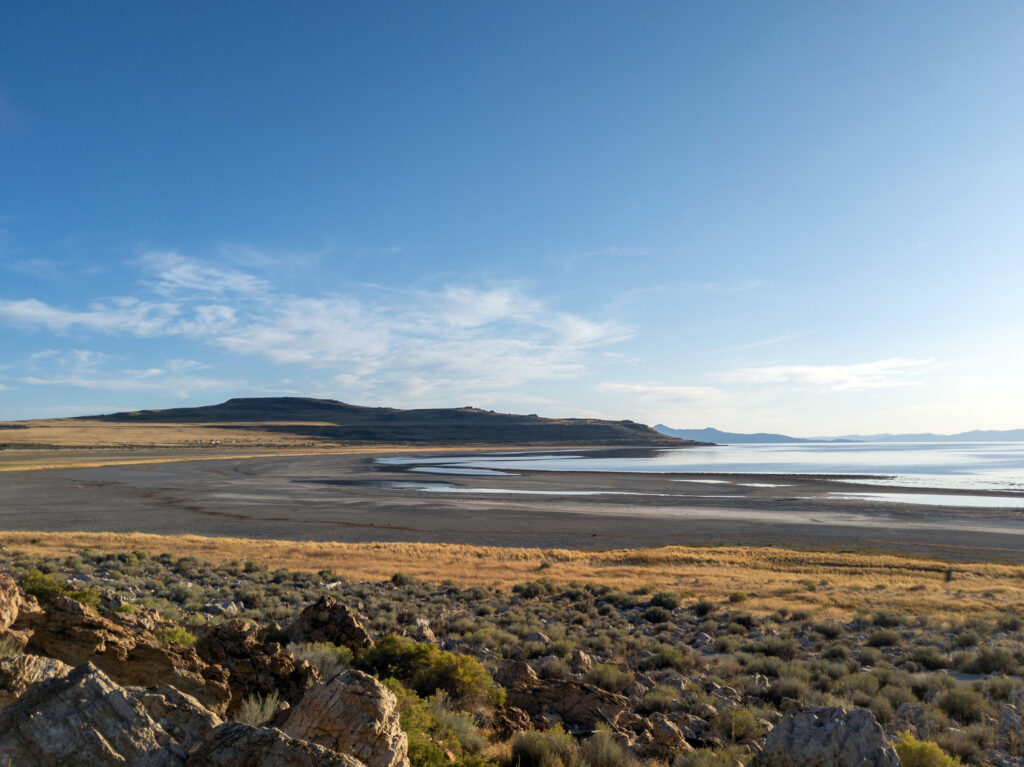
{"x": 113, "y": 660}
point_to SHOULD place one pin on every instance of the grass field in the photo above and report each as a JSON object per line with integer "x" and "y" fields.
{"x": 835, "y": 584}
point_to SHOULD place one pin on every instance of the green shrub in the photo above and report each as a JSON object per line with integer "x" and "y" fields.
{"x": 601, "y": 750}
{"x": 737, "y": 724}
{"x": 326, "y": 657}
{"x": 657, "y": 614}
{"x": 679, "y": 657}
{"x": 660, "y": 698}
{"x": 889, "y": 619}
{"x": 922, "y": 753}
{"x": 257, "y": 709}
{"x": 609, "y": 677}
{"x": 988, "y": 660}
{"x": 785, "y": 648}
{"x": 665, "y": 599}
{"x": 547, "y": 748}
{"x": 42, "y": 586}
{"x": 883, "y": 638}
{"x": 703, "y": 607}
{"x": 88, "y": 597}
{"x": 963, "y": 703}
{"x": 428, "y": 669}
{"x": 737, "y": 596}
{"x": 176, "y": 635}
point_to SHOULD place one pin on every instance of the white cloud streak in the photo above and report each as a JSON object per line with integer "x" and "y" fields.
{"x": 458, "y": 337}
{"x": 864, "y": 375}
{"x": 172, "y": 273}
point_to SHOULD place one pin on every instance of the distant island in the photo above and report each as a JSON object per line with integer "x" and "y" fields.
{"x": 330, "y": 421}
{"x": 736, "y": 438}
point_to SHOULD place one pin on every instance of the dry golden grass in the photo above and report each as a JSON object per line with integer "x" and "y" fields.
{"x": 66, "y": 432}
{"x": 85, "y": 444}
{"x": 834, "y": 584}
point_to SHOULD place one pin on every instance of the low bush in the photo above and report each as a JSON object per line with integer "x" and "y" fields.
{"x": 737, "y": 724}
{"x": 963, "y": 703}
{"x": 257, "y": 709}
{"x": 326, "y": 657}
{"x": 664, "y": 599}
{"x": 922, "y": 753}
{"x": 42, "y": 586}
{"x": 428, "y": 669}
{"x": 547, "y": 748}
{"x": 609, "y": 677}
{"x": 176, "y": 635}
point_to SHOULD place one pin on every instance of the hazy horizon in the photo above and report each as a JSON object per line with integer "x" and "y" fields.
{"x": 779, "y": 218}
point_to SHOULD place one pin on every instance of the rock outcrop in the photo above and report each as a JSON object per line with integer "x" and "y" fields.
{"x": 574, "y": 703}
{"x": 11, "y": 600}
{"x": 516, "y": 674}
{"x": 84, "y": 719}
{"x": 70, "y": 632}
{"x": 352, "y": 713}
{"x": 827, "y": 737}
{"x": 255, "y": 667}
{"x": 19, "y": 672}
{"x": 328, "y": 620}
{"x": 238, "y": 745}
{"x": 179, "y": 715}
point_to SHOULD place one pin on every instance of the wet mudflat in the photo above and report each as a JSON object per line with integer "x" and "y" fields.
{"x": 350, "y": 498}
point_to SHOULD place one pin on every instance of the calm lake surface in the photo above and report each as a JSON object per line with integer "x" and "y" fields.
{"x": 974, "y": 465}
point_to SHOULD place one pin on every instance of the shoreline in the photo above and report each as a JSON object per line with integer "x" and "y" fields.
{"x": 341, "y": 497}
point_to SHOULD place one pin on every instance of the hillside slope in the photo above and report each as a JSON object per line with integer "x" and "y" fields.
{"x": 333, "y": 421}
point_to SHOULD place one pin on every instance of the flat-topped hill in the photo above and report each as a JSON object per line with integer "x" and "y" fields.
{"x": 333, "y": 421}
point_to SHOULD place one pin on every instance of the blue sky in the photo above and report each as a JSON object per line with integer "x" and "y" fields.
{"x": 804, "y": 217}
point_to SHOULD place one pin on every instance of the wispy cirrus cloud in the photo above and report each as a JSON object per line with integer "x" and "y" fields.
{"x": 897, "y": 371}
{"x": 118, "y": 315}
{"x": 457, "y": 337}
{"x": 88, "y": 369}
{"x": 171, "y": 273}
{"x": 666, "y": 393}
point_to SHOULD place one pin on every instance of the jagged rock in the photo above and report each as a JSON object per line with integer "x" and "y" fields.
{"x": 329, "y": 621}
{"x": 181, "y": 716}
{"x": 255, "y": 667}
{"x": 508, "y": 720}
{"x": 827, "y": 737}
{"x": 11, "y": 600}
{"x": 540, "y": 638}
{"x": 352, "y": 713}
{"x": 238, "y": 745}
{"x": 667, "y": 740}
{"x": 573, "y": 702}
{"x": 223, "y": 607}
{"x": 19, "y": 672}
{"x": 580, "y": 662}
{"x": 704, "y": 642}
{"x": 516, "y": 673}
{"x": 84, "y": 719}
{"x": 422, "y": 632}
{"x": 70, "y": 632}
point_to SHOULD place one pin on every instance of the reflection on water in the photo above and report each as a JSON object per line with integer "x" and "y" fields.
{"x": 937, "y": 499}
{"x": 977, "y": 465}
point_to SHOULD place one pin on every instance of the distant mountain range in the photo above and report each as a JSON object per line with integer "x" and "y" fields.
{"x": 978, "y": 435}
{"x": 337, "y": 422}
{"x": 735, "y": 438}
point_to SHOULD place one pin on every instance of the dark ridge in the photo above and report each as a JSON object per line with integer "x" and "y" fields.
{"x": 334, "y": 421}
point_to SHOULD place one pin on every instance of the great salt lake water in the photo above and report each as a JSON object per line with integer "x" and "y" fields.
{"x": 992, "y": 466}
